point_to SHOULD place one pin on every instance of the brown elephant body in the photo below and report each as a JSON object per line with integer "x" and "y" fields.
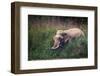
{"x": 66, "y": 35}
{"x": 73, "y": 33}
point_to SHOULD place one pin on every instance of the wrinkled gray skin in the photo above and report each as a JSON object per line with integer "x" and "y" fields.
{"x": 63, "y": 36}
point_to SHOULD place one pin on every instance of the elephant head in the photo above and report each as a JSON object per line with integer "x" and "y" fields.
{"x": 59, "y": 40}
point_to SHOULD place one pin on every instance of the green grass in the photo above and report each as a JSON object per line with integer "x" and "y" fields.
{"x": 40, "y": 41}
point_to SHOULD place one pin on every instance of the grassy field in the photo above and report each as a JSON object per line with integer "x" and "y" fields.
{"x": 41, "y": 30}
{"x": 40, "y": 41}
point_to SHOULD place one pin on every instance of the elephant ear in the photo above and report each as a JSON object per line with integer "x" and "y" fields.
{"x": 65, "y": 37}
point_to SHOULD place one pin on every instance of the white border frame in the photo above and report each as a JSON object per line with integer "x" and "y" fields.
{"x": 40, "y": 64}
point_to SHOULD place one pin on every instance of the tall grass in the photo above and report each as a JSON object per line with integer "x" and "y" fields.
{"x": 40, "y": 41}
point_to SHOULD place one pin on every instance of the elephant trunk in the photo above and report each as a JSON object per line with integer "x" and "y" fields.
{"x": 56, "y": 44}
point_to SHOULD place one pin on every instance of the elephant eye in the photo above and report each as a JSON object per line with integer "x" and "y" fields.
{"x": 63, "y": 34}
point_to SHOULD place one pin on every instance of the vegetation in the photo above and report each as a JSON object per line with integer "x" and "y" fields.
{"x": 40, "y": 35}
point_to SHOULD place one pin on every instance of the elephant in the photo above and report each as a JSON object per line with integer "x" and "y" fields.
{"x": 64, "y": 36}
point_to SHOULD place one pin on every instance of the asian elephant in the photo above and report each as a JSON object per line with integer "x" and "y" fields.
{"x": 63, "y": 36}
